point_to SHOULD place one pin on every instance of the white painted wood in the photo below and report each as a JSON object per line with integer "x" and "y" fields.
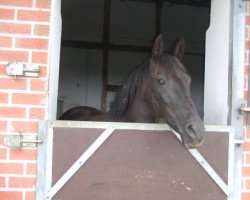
{"x": 54, "y": 57}
{"x": 129, "y": 126}
{"x": 105, "y": 125}
{"x": 217, "y": 64}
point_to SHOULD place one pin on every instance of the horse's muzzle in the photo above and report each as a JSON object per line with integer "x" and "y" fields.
{"x": 195, "y": 135}
{"x": 194, "y": 144}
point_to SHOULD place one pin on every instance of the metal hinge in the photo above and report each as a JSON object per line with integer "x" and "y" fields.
{"x": 244, "y": 109}
{"x": 20, "y": 141}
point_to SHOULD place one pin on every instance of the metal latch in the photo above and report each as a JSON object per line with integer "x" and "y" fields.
{"x": 20, "y": 141}
{"x": 22, "y": 69}
{"x": 244, "y": 109}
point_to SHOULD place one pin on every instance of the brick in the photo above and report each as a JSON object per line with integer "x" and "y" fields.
{"x": 31, "y": 127}
{"x": 247, "y": 133}
{"x": 43, "y": 71}
{"x": 244, "y": 120}
{"x": 1, "y": 139}
{"x": 43, "y": 3}
{"x": 247, "y": 33}
{"x": 39, "y": 57}
{"x": 247, "y": 45}
{"x": 11, "y": 168}
{"x": 22, "y": 3}
{"x": 2, "y": 69}
{"x": 3, "y": 154}
{"x": 33, "y": 15}
{"x": 30, "y": 195}
{"x": 245, "y": 95}
{"x": 31, "y": 99}
{"x": 247, "y": 159}
{"x": 11, "y": 195}
{"x": 31, "y": 43}
{"x": 38, "y": 85}
{"x": 6, "y": 55}
{"x": 7, "y": 13}
{"x": 13, "y": 84}
{"x": 4, "y": 97}
{"x": 14, "y": 28}
{"x": 24, "y": 154}
{"x": 245, "y": 83}
{"x": 5, "y": 41}
{"x": 246, "y": 59}
{"x": 31, "y": 169}
{"x": 246, "y": 69}
{"x": 12, "y": 112}
{"x": 41, "y": 30}
{"x": 245, "y": 171}
{"x": 247, "y": 184}
{"x": 245, "y": 195}
{"x": 246, "y": 146}
{"x": 36, "y": 113}
{"x": 3, "y": 126}
{"x": 247, "y": 20}
{"x": 22, "y": 182}
{"x": 2, "y": 182}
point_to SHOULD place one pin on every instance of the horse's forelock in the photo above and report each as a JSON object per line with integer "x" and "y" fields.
{"x": 172, "y": 63}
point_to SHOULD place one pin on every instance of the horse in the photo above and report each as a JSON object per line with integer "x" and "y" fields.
{"x": 81, "y": 113}
{"x": 157, "y": 89}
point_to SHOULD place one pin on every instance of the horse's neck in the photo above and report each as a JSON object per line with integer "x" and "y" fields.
{"x": 137, "y": 111}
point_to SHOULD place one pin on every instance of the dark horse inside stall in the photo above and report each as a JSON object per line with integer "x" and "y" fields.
{"x": 158, "y": 89}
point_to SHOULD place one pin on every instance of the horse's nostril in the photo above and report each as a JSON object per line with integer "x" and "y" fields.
{"x": 195, "y": 135}
{"x": 192, "y": 130}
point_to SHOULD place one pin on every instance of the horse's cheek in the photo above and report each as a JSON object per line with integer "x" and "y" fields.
{"x": 164, "y": 96}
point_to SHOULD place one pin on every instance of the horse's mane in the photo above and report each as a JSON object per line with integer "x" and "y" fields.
{"x": 128, "y": 91}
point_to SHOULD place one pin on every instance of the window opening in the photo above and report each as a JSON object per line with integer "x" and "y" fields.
{"x": 102, "y": 41}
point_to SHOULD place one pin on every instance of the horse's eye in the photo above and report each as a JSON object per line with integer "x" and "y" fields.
{"x": 161, "y": 82}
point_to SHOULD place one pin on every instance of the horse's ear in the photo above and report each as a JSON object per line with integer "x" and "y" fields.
{"x": 158, "y": 47}
{"x": 179, "y": 48}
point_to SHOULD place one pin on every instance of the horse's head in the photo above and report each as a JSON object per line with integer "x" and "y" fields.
{"x": 169, "y": 90}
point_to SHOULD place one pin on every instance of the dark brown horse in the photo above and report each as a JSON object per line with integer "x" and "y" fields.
{"x": 159, "y": 89}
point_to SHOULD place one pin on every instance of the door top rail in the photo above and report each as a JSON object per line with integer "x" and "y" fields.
{"x": 129, "y": 126}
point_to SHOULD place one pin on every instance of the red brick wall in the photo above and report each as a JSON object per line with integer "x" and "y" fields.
{"x": 246, "y": 153}
{"x": 24, "y": 36}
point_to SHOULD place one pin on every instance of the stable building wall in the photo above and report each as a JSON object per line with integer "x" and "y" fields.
{"x": 24, "y": 36}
